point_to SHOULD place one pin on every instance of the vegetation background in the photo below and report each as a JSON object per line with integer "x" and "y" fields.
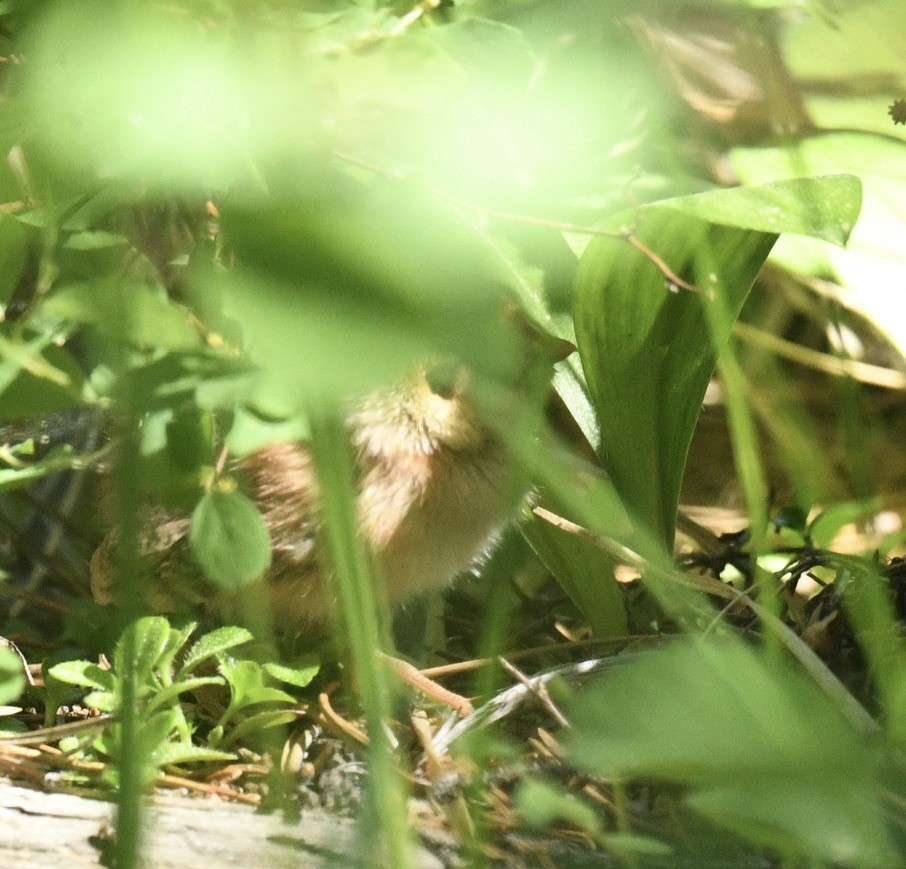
{"x": 220, "y": 219}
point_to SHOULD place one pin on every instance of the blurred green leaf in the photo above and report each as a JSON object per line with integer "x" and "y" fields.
{"x": 37, "y": 377}
{"x": 152, "y": 319}
{"x": 345, "y": 286}
{"x": 824, "y": 527}
{"x": 167, "y": 753}
{"x": 229, "y": 538}
{"x": 60, "y": 459}
{"x": 136, "y": 92}
{"x": 12, "y": 676}
{"x": 585, "y": 573}
{"x": 541, "y": 804}
{"x": 759, "y": 747}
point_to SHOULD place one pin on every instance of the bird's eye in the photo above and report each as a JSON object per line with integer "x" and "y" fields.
{"x": 442, "y": 380}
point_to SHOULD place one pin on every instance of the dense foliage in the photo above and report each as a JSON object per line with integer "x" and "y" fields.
{"x": 220, "y": 220}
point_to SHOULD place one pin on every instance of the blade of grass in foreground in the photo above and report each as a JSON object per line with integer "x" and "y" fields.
{"x": 130, "y": 760}
{"x": 360, "y": 617}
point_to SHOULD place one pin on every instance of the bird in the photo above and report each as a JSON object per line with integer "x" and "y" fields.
{"x": 434, "y": 486}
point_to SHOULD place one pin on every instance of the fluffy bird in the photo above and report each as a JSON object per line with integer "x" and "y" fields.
{"x": 433, "y": 487}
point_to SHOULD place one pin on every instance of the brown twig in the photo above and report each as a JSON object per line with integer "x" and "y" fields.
{"x": 477, "y": 663}
{"x": 176, "y": 781}
{"x": 347, "y": 728}
{"x": 418, "y": 680}
{"x": 539, "y": 689}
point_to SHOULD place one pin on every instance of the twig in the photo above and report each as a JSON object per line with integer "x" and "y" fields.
{"x": 477, "y": 663}
{"x": 413, "y": 15}
{"x": 539, "y": 689}
{"x": 484, "y": 211}
{"x": 337, "y": 720}
{"x": 418, "y": 680}
{"x": 816, "y": 668}
{"x": 55, "y": 734}
{"x": 176, "y": 781}
{"x": 874, "y": 375}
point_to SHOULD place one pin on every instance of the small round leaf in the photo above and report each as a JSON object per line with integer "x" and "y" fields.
{"x": 229, "y": 538}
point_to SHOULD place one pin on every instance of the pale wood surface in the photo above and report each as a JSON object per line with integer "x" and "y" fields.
{"x": 39, "y": 830}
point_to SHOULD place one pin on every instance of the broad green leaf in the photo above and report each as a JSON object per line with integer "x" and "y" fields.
{"x": 826, "y": 819}
{"x": 12, "y": 676}
{"x": 343, "y": 286}
{"x": 94, "y": 240}
{"x": 103, "y": 701}
{"x": 258, "y": 722}
{"x": 825, "y": 207}
{"x": 36, "y": 376}
{"x": 824, "y": 527}
{"x": 646, "y": 351}
{"x": 229, "y": 538}
{"x": 585, "y": 573}
{"x": 248, "y": 687}
{"x": 740, "y": 736}
{"x": 216, "y": 379}
{"x": 646, "y": 345}
{"x": 219, "y": 640}
{"x": 134, "y": 311}
{"x": 139, "y": 95}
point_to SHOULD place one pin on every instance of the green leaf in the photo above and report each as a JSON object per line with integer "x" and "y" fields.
{"x": 258, "y": 722}
{"x": 824, "y": 527}
{"x": 632, "y": 844}
{"x": 340, "y": 287}
{"x": 95, "y": 240}
{"x": 140, "y": 313}
{"x": 300, "y": 678}
{"x": 165, "y": 695}
{"x": 219, "y": 640}
{"x": 12, "y": 676}
{"x": 177, "y": 639}
{"x": 585, "y": 573}
{"x": 229, "y": 538}
{"x": 825, "y": 207}
{"x": 103, "y": 701}
{"x": 739, "y": 733}
{"x": 83, "y": 673}
{"x": 175, "y": 753}
{"x": 36, "y": 376}
{"x": 247, "y": 684}
{"x": 59, "y": 459}
{"x": 646, "y": 351}
{"x": 541, "y": 804}
{"x": 825, "y": 819}
{"x": 152, "y": 634}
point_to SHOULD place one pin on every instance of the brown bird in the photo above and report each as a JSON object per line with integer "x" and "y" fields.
{"x": 433, "y": 486}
